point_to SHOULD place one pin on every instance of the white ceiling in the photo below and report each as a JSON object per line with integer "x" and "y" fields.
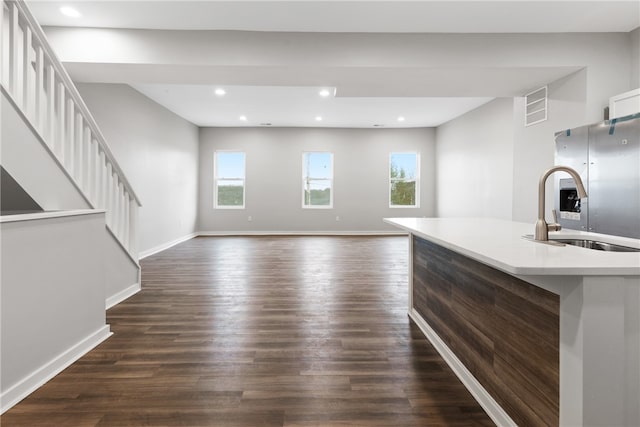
{"x": 450, "y": 16}
{"x": 291, "y": 106}
{"x": 289, "y": 103}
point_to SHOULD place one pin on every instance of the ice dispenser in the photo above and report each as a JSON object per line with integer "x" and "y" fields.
{"x": 569, "y": 201}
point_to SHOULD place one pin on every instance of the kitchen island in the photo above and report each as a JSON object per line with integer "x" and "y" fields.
{"x": 539, "y": 334}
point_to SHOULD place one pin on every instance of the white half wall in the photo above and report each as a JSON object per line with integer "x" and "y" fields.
{"x": 274, "y": 178}
{"x": 53, "y": 296}
{"x": 474, "y": 158}
{"x": 158, "y": 152}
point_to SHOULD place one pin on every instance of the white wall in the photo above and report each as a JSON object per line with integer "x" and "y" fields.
{"x": 274, "y": 162}
{"x": 534, "y": 146}
{"x": 495, "y": 65}
{"x": 474, "y": 158}
{"x": 158, "y": 152}
{"x": 574, "y": 100}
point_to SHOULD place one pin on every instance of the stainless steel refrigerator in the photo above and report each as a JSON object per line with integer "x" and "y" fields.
{"x": 607, "y": 156}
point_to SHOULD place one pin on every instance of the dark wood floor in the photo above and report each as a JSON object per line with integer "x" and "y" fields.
{"x": 265, "y": 331}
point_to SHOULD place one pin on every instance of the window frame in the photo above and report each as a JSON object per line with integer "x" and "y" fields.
{"x": 304, "y": 180}
{"x": 216, "y": 178}
{"x": 417, "y": 195}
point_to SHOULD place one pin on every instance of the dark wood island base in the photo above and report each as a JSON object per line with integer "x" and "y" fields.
{"x": 505, "y": 331}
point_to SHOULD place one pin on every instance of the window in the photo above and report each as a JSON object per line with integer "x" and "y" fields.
{"x": 228, "y": 185}
{"x": 317, "y": 180}
{"x": 404, "y": 180}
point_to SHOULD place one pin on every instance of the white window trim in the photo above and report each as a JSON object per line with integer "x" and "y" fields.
{"x": 417, "y": 204}
{"x": 216, "y": 179}
{"x": 330, "y": 205}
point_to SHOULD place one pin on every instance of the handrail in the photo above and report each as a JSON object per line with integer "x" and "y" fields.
{"x": 73, "y": 91}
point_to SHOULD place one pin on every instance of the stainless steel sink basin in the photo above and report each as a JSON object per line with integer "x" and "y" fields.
{"x": 594, "y": 244}
{"x": 584, "y": 243}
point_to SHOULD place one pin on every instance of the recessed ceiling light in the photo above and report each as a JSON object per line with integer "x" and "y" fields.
{"x": 401, "y": 119}
{"x": 318, "y": 118}
{"x": 220, "y": 92}
{"x": 324, "y": 93}
{"x": 243, "y": 118}
{"x": 69, "y": 11}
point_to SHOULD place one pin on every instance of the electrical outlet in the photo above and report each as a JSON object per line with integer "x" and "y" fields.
{"x": 250, "y": 218}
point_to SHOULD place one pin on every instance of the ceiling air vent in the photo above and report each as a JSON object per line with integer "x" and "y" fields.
{"x": 535, "y": 106}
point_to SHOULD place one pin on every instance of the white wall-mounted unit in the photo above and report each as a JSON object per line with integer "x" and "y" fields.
{"x": 625, "y": 104}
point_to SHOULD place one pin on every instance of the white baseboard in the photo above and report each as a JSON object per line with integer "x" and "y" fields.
{"x": 482, "y": 396}
{"x": 36, "y": 379}
{"x": 122, "y": 295}
{"x": 301, "y": 233}
{"x": 165, "y": 246}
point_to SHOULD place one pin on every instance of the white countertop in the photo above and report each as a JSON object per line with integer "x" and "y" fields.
{"x": 499, "y": 243}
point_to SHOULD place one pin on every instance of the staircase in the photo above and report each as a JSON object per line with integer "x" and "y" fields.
{"x": 39, "y": 88}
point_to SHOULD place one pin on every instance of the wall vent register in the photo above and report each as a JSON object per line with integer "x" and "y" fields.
{"x": 535, "y": 106}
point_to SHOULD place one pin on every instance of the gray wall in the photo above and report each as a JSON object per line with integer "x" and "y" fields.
{"x": 13, "y": 198}
{"x": 474, "y": 162}
{"x": 635, "y": 58}
{"x": 274, "y": 178}
{"x": 158, "y": 152}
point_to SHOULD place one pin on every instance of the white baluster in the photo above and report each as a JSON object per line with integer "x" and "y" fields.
{"x": 126, "y": 222}
{"x": 69, "y": 141}
{"x": 109, "y": 196}
{"x": 87, "y": 164}
{"x": 118, "y": 211}
{"x": 122, "y": 217}
{"x": 96, "y": 175}
{"x": 51, "y": 106}
{"x": 78, "y": 141}
{"x": 26, "y": 70}
{"x": 40, "y": 95}
{"x": 60, "y": 122}
{"x": 14, "y": 35}
{"x": 115, "y": 193}
{"x": 133, "y": 234}
{"x": 104, "y": 177}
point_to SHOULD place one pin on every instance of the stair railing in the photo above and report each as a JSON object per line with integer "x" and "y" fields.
{"x": 37, "y": 84}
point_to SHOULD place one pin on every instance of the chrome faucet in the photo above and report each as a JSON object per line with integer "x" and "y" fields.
{"x": 542, "y": 228}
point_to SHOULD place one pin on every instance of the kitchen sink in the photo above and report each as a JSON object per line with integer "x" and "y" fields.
{"x": 584, "y": 243}
{"x": 595, "y": 244}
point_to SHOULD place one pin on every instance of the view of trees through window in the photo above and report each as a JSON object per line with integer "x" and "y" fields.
{"x": 403, "y": 176}
{"x": 317, "y": 179}
{"x": 229, "y": 179}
